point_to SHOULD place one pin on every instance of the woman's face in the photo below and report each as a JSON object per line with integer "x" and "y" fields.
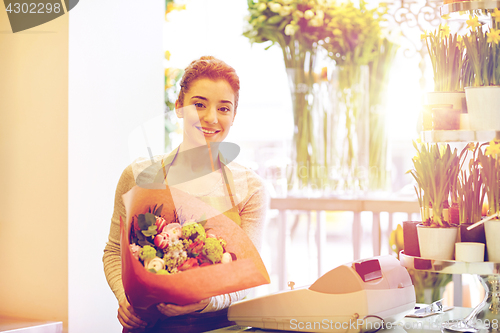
{"x": 208, "y": 111}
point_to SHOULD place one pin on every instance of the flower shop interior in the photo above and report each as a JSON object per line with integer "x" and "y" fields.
{"x": 358, "y": 116}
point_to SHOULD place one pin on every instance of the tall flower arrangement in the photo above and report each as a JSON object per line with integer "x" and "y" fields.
{"x": 379, "y": 176}
{"x": 297, "y": 27}
{"x": 353, "y": 41}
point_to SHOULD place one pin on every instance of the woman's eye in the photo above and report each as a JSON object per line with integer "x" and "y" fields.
{"x": 225, "y": 109}
{"x": 199, "y": 105}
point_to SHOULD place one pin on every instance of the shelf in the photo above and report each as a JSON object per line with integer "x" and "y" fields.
{"x": 449, "y": 266}
{"x": 459, "y": 136}
{"x": 465, "y": 6}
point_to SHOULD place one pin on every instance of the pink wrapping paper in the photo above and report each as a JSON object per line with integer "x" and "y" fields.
{"x": 145, "y": 289}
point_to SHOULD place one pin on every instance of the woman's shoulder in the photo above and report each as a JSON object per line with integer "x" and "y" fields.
{"x": 245, "y": 174}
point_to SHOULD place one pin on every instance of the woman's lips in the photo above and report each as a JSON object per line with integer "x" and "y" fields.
{"x": 208, "y": 131}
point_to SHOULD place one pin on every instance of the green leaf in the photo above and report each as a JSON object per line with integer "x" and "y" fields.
{"x": 152, "y": 270}
{"x": 151, "y": 231}
{"x": 158, "y": 210}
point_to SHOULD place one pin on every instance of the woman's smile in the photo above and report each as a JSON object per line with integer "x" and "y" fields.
{"x": 209, "y": 132}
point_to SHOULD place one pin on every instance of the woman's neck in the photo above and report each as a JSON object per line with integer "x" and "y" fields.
{"x": 200, "y": 159}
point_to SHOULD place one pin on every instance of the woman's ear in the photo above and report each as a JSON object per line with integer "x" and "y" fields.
{"x": 178, "y": 109}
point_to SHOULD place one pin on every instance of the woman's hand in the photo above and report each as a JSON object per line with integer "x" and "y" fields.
{"x": 171, "y": 310}
{"x": 127, "y": 316}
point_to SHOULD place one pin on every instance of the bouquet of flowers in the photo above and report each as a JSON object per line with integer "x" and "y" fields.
{"x": 185, "y": 272}
{"x": 175, "y": 246}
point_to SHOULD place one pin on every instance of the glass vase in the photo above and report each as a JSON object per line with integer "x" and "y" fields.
{"x": 351, "y": 105}
{"x": 307, "y": 176}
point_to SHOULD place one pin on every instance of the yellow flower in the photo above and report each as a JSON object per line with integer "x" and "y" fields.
{"x": 308, "y": 14}
{"x": 324, "y": 74}
{"x": 167, "y": 55}
{"x": 493, "y": 36}
{"x": 473, "y": 22}
{"x": 471, "y": 146}
{"x": 424, "y": 35}
{"x": 493, "y": 148}
{"x": 496, "y": 13}
{"x": 396, "y": 239}
{"x": 445, "y": 29}
{"x": 274, "y": 7}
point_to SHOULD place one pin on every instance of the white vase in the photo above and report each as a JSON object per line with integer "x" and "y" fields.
{"x": 437, "y": 243}
{"x": 492, "y": 231}
{"x": 483, "y": 105}
{"x": 455, "y": 98}
{"x": 469, "y": 252}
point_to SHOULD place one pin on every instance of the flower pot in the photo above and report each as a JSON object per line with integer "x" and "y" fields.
{"x": 482, "y": 105}
{"x": 446, "y": 119}
{"x": 456, "y": 99}
{"x": 492, "y": 231}
{"x": 469, "y": 252}
{"x": 410, "y": 238}
{"x": 437, "y": 243}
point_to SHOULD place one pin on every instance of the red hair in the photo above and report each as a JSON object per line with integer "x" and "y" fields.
{"x": 209, "y": 67}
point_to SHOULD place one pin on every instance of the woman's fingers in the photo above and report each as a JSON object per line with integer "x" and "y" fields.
{"x": 127, "y": 316}
{"x": 171, "y": 310}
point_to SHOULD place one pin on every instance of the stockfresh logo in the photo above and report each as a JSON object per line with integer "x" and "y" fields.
{"x": 25, "y": 15}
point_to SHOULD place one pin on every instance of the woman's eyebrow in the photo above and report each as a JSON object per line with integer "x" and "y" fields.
{"x": 206, "y": 99}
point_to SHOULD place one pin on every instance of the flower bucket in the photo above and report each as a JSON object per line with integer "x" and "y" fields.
{"x": 437, "y": 243}
{"x": 492, "y": 230}
{"x": 482, "y": 105}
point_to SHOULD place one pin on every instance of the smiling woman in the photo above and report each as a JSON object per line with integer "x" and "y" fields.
{"x": 207, "y": 103}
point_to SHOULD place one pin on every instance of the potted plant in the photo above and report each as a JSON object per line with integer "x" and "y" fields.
{"x": 470, "y": 196}
{"x": 483, "y": 59}
{"x": 433, "y": 168}
{"x": 447, "y": 54}
{"x": 490, "y": 171}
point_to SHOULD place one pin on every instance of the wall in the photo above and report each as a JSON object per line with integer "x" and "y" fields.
{"x": 34, "y": 170}
{"x": 115, "y": 85}
{"x": 72, "y": 93}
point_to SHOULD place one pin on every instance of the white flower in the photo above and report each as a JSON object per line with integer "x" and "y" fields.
{"x": 156, "y": 263}
{"x": 285, "y": 10}
{"x": 308, "y": 14}
{"x": 226, "y": 258}
{"x": 261, "y": 7}
{"x": 289, "y": 30}
{"x": 274, "y": 7}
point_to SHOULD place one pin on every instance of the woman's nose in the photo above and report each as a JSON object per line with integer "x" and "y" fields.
{"x": 210, "y": 116}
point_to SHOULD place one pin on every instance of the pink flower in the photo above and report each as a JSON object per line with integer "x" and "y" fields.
{"x": 174, "y": 231}
{"x": 135, "y": 249}
{"x": 160, "y": 224}
{"x": 162, "y": 240}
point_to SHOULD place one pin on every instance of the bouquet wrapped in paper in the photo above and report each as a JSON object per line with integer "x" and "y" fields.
{"x": 199, "y": 273}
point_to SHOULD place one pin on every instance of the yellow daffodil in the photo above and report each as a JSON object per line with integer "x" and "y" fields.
{"x": 445, "y": 29}
{"x": 493, "y": 36}
{"x": 396, "y": 239}
{"x": 167, "y": 55}
{"x": 473, "y": 22}
{"x": 471, "y": 146}
{"x": 496, "y": 13}
{"x": 493, "y": 148}
{"x": 424, "y": 35}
